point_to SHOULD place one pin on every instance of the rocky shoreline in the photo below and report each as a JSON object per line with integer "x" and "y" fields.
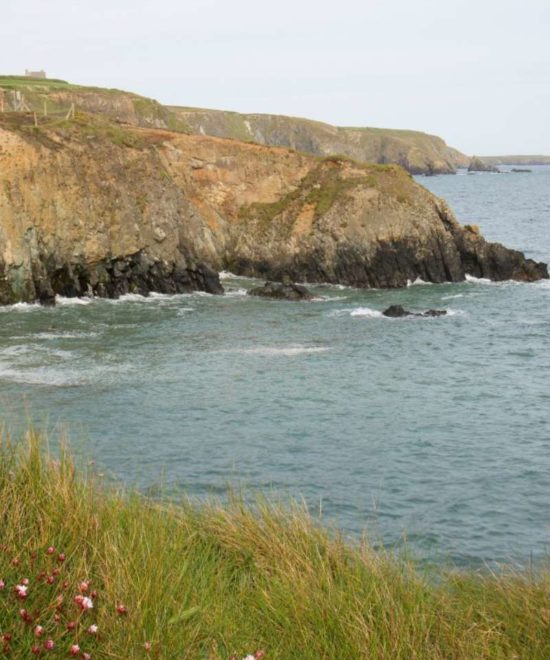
{"x": 92, "y": 209}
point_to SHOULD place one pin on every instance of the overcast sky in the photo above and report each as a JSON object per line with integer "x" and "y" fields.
{"x": 476, "y": 72}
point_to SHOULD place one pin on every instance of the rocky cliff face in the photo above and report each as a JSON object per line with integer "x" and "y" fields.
{"x": 418, "y": 153}
{"x": 88, "y": 207}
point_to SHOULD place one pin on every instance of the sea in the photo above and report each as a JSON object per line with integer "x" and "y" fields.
{"x": 425, "y": 435}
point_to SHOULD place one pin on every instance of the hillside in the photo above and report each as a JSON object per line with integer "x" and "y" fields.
{"x": 92, "y": 207}
{"x": 516, "y": 160}
{"x": 417, "y": 152}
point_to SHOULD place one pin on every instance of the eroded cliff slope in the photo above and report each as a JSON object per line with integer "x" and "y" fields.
{"x": 417, "y": 152}
{"x": 88, "y": 207}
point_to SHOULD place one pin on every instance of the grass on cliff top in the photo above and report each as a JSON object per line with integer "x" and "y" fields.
{"x": 183, "y": 581}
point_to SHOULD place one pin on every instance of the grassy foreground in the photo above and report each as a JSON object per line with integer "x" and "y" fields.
{"x": 184, "y": 581}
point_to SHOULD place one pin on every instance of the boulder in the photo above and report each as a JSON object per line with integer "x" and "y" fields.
{"x": 397, "y": 311}
{"x": 282, "y": 291}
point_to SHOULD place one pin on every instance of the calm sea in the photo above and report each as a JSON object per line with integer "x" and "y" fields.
{"x": 433, "y": 432}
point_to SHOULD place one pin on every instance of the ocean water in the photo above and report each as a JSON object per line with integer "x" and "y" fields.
{"x": 430, "y": 432}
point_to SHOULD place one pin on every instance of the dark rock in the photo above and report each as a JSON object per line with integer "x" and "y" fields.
{"x": 520, "y": 169}
{"x": 397, "y": 311}
{"x": 282, "y": 291}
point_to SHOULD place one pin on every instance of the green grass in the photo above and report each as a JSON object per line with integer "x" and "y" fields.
{"x": 212, "y": 581}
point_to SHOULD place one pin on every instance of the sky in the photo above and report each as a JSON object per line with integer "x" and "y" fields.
{"x": 475, "y": 72}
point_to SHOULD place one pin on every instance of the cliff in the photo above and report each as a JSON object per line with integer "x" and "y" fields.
{"x": 516, "y": 160}
{"x": 417, "y": 152}
{"x": 90, "y": 207}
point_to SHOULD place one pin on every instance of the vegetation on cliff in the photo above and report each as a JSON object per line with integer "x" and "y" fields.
{"x": 416, "y": 151}
{"x": 85, "y": 569}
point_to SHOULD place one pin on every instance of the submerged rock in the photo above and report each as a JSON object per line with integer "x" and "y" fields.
{"x": 282, "y": 291}
{"x": 397, "y": 311}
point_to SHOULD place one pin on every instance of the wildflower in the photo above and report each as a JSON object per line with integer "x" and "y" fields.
{"x": 84, "y": 586}
{"x": 147, "y": 646}
{"x": 49, "y": 644}
{"x": 87, "y": 603}
{"x": 259, "y": 654}
{"x": 6, "y": 637}
{"x": 15, "y": 561}
{"x": 71, "y": 625}
{"x": 2, "y": 584}
{"x": 86, "y": 656}
{"x": 50, "y": 550}
{"x": 25, "y": 582}
{"x": 25, "y": 616}
{"x": 93, "y": 594}
{"x": 61, "y": 557}
{"x": 121, "y": 610}
{"x": 50, "y": 579}
{"x": 92, "y": 630}
{"x": 75, "y": 649}
{"x": 36, "y": 650}
{"x": 249, "y": 657}
{"x": 78, "y": 600}
{"x": 21, "y": 591}
{"x": 38, "y": 631}
{"x": 57, "y": 617}
{"x": 56, "y": 572}
{"x": 65, "y": 584}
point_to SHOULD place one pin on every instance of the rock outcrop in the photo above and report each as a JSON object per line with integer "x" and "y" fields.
{"x": 398, "y": 312}
{"x": 282, "y": 291}
{"x": 92, "y": 207}
{"x": 477, "y": 165}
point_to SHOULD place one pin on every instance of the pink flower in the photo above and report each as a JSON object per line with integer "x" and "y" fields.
{"x": 71, "y": 625}
{"x": 50, "y": 579}
{"x": 147, "y": 646}
{"x": 25, "y": 616}
{"x": 87, "y": 603}
{"x": 25, "y": 582}
{"x": 121, "y": 609}
{"x": 35, "y": 650}
{"x": 38, "y": 631}
{"x": 50, "y": 550}
{"x": 86, "y": 656}
{"x": 57, "y": 617}
{"x": 75, "y": 649}
{"x": 94, "y": 594}
{"x": 84, "y": 585}
{"x": 78, "y": 600}
{"x": 49, "y": 644}
{"x": 21, "y": 591}
{"x": 2, "y": 584}
{"x": 61, "y": 557}
{"x": 92, "y": 630}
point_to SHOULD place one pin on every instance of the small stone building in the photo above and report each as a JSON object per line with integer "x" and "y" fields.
{"x": 35, "y": 74}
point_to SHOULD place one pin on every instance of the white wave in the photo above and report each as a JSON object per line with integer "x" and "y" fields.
{"x": 366, "y": 311}
{"x": 478, "y": 280}
{"x": 417, "y": 282}
{"x": 236, "y": 293}
{"x": 67, "y": 302}
{"x": 226, "y": 275}
{"x": 456, "y": 295}
{"x": 66, "y": 335}
{"x": 285, "y": 351}
{"x": 329, "y": 298}
{"x": 21, "y": 307}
